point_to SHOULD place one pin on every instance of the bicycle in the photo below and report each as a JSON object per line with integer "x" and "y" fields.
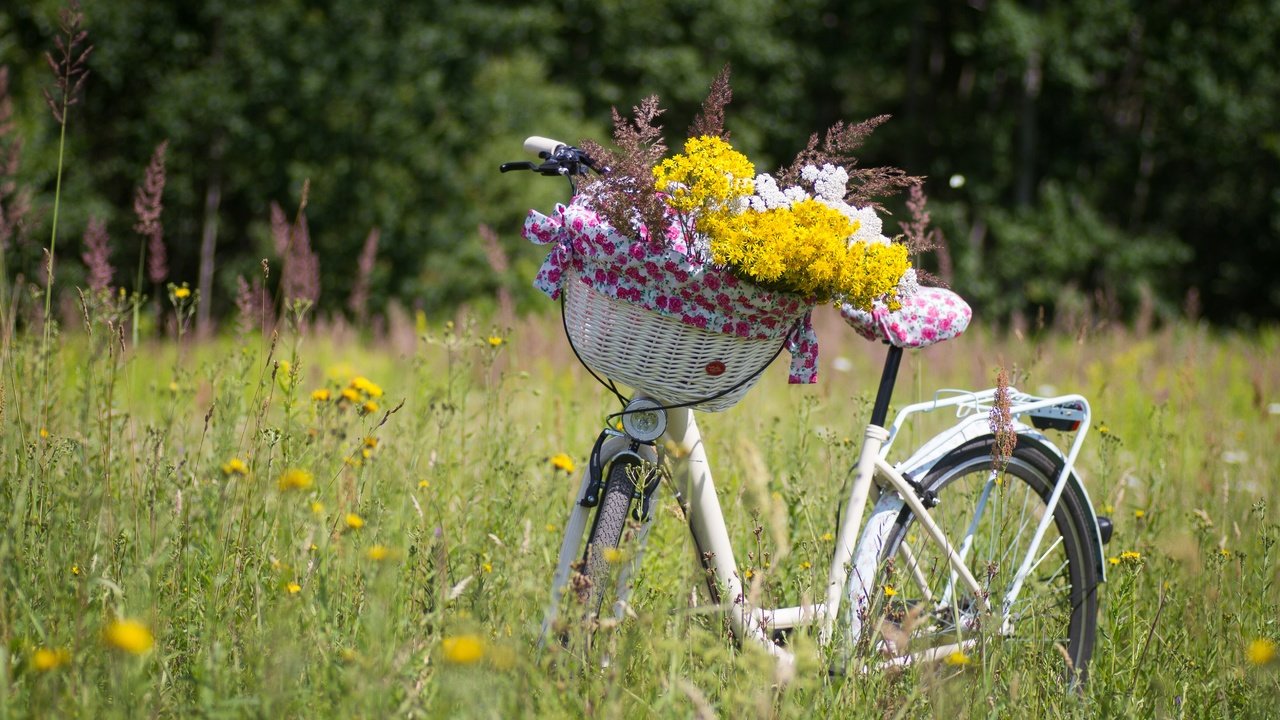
{"x": 1029, "y": 557}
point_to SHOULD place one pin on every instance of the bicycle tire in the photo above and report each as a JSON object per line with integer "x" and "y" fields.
{"x": 1055, "y": 612}
{"x": 602, "y": 566}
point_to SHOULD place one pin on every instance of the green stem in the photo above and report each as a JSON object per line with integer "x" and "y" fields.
{"x": 48, "y": 280}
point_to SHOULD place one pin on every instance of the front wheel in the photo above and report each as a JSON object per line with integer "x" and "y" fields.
{"x": 607, "y": 560}
{"x": 991, "y": 518}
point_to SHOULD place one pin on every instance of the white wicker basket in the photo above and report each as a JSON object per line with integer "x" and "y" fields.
{"x": 659, "y": 355}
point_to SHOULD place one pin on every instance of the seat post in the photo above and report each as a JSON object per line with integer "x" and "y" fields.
{"x": 887, "y": 380}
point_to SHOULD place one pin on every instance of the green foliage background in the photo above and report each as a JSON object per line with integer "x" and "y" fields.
{"x": 1110, "y": 151}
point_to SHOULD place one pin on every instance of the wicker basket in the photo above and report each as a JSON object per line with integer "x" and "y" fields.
{"x": 660, "y": 356}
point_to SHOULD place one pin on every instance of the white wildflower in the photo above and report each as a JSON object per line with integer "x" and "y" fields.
{"x": 909, "y": 285}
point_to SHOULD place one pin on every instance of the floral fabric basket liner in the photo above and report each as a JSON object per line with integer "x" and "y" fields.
{"x": 667, "y": 278}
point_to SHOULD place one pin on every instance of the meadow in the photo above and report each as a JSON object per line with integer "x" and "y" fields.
{"x": 312, "y": 523}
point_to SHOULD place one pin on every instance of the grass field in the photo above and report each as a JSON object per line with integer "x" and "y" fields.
{"x": 317, "y": 526}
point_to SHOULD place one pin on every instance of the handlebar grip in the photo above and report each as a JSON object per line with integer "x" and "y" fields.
{"x": 539, "y": 145}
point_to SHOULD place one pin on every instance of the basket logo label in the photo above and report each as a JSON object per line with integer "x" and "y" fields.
{"x": 715, "y": 368}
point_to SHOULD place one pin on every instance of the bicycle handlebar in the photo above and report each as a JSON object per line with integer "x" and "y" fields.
{"x": 558, "y": 159}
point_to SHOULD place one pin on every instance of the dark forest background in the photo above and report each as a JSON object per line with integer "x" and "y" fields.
{"x": 1095, "y": 158}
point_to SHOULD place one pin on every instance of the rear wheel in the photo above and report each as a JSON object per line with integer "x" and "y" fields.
{"x": 992, "y": 518}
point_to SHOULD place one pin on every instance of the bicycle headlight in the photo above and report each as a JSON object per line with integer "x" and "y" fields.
{"x": 644, "y": 420}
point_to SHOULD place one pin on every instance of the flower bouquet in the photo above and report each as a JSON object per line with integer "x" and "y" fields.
{"x": 685, "y": 276}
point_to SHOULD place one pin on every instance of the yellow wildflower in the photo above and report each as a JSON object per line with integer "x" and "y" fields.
{"x": 560, "y": 461}
{"x": 1113, "y": 560}
{"x": 424, "y": 484}
{"x": 182, "y": 293}
{"x": 615, "y": 555}
{"x": 1260, "y": 651}
{"x": 827, "y": 537}
{"x": 235, "y": 466}
{"x": 889, "y": 591}
{"x": 371, "y": 442}
{"x": 44, "y": 434}
{"x": 463, "y": 649}
{"x": 495, "y": 341}
{"x": 551, "y": 527}
{"x": 46, "y": 659}
{"x": 1130, "y": 555}
{"x": 295, "y": 479}
{"x": 317, "y": 507}
{"x": 378, "y": 553}
{"x": 366, "y": 386}
{"x": 487, "y": 567}
{"x": 320, "y": 395}
{"x": 293, "y": 588}
{"x": 75, "y": 569}
{"x": 350, "y": 395}
{"x": 370, "y": 407}
{"x": 1139, "y": 514}
{"x": 354, "y": 521}
{"x": 806, "y": 565}
{"x": 130, "y": 636}
{"x": 957, "y": 658}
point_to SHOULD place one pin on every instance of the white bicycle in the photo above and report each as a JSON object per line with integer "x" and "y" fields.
{"x": 954, "y": 547}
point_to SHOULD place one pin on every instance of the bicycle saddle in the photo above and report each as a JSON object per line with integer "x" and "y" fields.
{"x": 930, "y": 316}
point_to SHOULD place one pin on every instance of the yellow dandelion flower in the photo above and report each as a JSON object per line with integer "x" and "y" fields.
{"x": 354, "y": 521}
{"x": 560, "y": 461}
{"x": 295, "y": 479}
{"x": 487, "y": 567}
{"x": 44, "y": 434}
{"x": 320, "y": 395}
{"x": 75, "y": 570}
{"x": 1113, "y": 560}
{"x": 131, "y": 636}
{"x": 1260, "y": 651}
{"x": 182, "y": 293}
{"x": 495, "y": 341}
{"x": 235, "y": 466}
{"x": 889, "y": 591}
{"x": 957, "y": 658}
{"x": 748, "y": 574}
{"x": 827, "y": 537}
{"x": 379, "y": 553}
{"x": 371, "y": 442}
{"x": 463, "y": 649}
{"x": 46, "y": 659}
{"x": 370, "y": 407}
{"x": 1224, "y": 553}
{"x": 1139, "y": 514}
{"x": 424, "y": 484}
{"x": 1130, "y": 555}
{"x": 806, "y": 565}
{"x": 317, "y": 507}
{"x": 350, "y": 395}
{"x": 293, "y": 588}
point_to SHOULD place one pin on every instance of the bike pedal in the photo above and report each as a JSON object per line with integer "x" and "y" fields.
{"x": 1105, "y": 528}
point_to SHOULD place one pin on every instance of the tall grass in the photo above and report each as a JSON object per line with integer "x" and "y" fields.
{"x": 408, "y": 576}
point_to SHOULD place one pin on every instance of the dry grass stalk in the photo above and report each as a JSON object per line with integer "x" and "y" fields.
{"x": 97, "y": 255}
{"x": 148, "y": 204}
{"x": 359, "y": 300}
{"x": 70, "y": 68}
{"x": 1000, "y": 421}
{"x": 497, "y": 259}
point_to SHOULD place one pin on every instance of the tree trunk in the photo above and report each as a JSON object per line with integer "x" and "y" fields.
{"x": 209, "y": 237}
